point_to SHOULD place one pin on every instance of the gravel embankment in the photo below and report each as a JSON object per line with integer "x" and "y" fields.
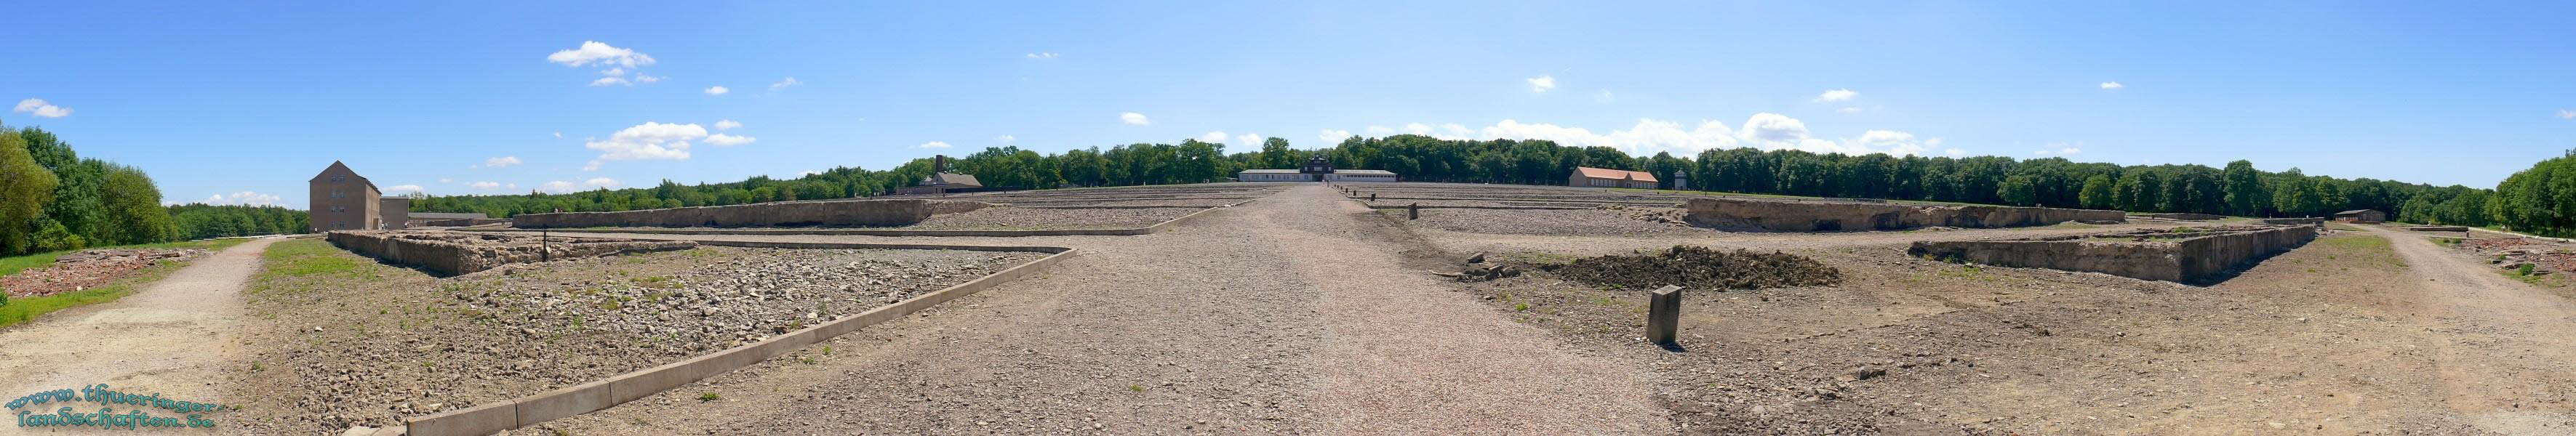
{"x": 1590, "y": 222}
{"x": 326, "y": 361}
{"x": 1020, "y": 218}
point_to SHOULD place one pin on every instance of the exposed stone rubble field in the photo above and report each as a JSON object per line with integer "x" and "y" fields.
{"x": 85, "y": 269}
{"x": 452, "y": 253}
{"x": 335, "y": 352}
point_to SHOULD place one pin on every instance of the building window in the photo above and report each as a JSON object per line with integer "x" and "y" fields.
{"x": 335, "y": 193}
{"x": 339, "y": 178}
{"x": 339, "y": 225}
{"x": 1604, "y": 183}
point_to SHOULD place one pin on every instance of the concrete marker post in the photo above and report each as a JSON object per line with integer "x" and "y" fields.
{"x": 1413, "y": 211}
{"x": 1664, "y": 316}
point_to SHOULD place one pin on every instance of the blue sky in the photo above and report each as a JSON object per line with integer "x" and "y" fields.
{"x": 220, "y": 101}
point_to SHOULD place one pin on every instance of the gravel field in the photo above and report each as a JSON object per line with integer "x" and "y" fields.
{"x": 1589, "y": 222}
{"x": 1021, "y": 218}
{"x": 368, "y": 344}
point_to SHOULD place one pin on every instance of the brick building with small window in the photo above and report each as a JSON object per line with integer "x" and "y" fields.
{"x": 344, "y": 201}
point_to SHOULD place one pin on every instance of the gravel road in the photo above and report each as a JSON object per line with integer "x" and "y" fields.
{"x": 174, "y": 337}
{"x": 1290, "y": 315}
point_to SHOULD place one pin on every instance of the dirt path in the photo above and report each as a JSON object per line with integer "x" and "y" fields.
{"x": 173, "y": 337}
{"x": 1290, "y": 315}
{"x": 2506, "y": 344}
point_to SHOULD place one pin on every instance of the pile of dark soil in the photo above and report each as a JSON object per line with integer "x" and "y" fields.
{"x": 1699, "y": 268}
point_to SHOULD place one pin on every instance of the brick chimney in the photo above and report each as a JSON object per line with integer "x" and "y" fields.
{"x": 938, "y": 163}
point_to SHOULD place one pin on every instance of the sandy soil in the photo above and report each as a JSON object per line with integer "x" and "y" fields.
{"x": 1290, "y": 315}
{"x": 176, "y": 336}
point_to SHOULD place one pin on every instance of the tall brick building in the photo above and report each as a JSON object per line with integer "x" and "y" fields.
{"x": 342, "y": 200}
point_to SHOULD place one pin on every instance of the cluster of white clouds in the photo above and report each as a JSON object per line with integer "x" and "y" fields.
{"x": 932, "y": 144}
{"x": 2567, "y": 114}
{"x": 560, "y": 186}
{"x": 717, "y": 90}
{"x": 1135, "y": 119}
{"x": 1542, "y": 83}
{"x": 2059, "y": 150}
{"x": 660, "y": 141}
{"x": 2113, "y": 85}
{"x": 501, "y": 162}
{"x": 1042, "y": 55}
{"x": 38, "y": 107}
{"x": 1769, "y": 131}
{"x": 784, "y": 83}
{"x": 618, "y": 60}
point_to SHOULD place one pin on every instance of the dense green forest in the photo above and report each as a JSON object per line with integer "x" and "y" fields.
{"x": 201, "y": 221}
{"x": 2530, "y": 201}
{"x": 57, "y": 200}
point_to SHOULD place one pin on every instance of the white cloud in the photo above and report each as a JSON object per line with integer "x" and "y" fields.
{"x": 605, "y": 81}
{"x": 648, "y": 141}
{"x": 2113, "y": 85}
{"x": 1248, "y": 139}
{"x": 446, "y": 180}
{"x": 783, "y": 83}
{"x": 600, "y": 182}
{"x": 1542, "y": 83}
{"x": 601, "y": 53}
{"x": 392, "y": 190}
{"x": 613, "y": 72}
{"x": 2567, "y": 114}
{"x": 1042, "y": 55}
{"x": 1892, "y": 142}
{"x": 639, "y": 78}
{"x": 1007, "y": 139}
{"x": 727, "y": 124}
{"x": 1836, "y": 95}
{"x": 39, "y": 107}
{"x": 1849, "y": 110}
{"x": 513, "y": 186}
{"x": 487, "y": 185}
{"x": 245, "y": 198}
{"x": 557, "y": 186}
{"x": 717, "y": 90}
{"x": 1647, "y": 137}
{"x": 1134, "y": 118}
{"x": 1954, "y": 152}
{"x": 501, "y": 161}
{"x": 724, "y": 140}
{"x": 558, "y": 135}
{"x": 808, "y": 173}
{"x": 593, "y": 165}
{"x": 1215, "y": 137}
{"x": 2062, "y": 150}
{"x": 1451, "y": 131}
{"x": 1330, "y": 136}
{"x": 932, "y": 144}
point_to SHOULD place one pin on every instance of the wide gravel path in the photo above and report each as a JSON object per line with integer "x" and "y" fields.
{"x": 1294, "y": 314}
{"x": 2504, "y": 345}
{"x": 175, "y": 337}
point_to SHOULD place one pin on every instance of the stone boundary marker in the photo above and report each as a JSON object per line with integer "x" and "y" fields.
{"x": 1147, "y": 230}
{"x": 597, "y": 395}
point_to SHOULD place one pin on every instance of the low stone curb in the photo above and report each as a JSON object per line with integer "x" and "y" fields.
{"x": 602, "y": 394}
{"x": 1156, "y": 228}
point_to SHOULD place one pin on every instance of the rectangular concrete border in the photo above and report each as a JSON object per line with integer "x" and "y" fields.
{"x": 602, "y": 394}
{"x": 1156, "y": 228}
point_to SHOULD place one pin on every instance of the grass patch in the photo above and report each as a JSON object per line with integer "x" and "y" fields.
{"x": 305, "y": 257}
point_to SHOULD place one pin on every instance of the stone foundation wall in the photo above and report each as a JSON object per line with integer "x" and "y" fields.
{"x": 451, "y": 253}
{"x": 783, "y": 214}
{"x": 2183, "y": 216}
{"x": 1827, "y": 216}
{"x": 2174, "y": 257}
{"x": 2290, "y": 221}
{"x": 462, "y": 222}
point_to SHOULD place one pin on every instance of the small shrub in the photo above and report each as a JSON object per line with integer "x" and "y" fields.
{"x": 2525, "y": 270}
{"x": 705, "y": 397}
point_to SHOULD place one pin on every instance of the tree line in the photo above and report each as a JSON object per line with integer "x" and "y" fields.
{"x": 2235, "y": 189}
{"x": 51, "y": 199}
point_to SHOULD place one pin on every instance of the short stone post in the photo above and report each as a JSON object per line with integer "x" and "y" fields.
{"x": 1413, "y": 211}
{"x": 1664, "y": 315}
{"x": 1372, "y": 196}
